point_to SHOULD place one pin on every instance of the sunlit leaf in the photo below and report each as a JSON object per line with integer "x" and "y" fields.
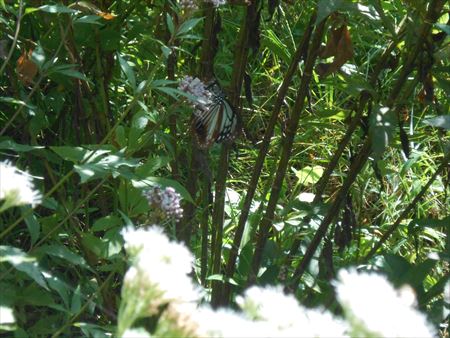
{"x": 382, "y": 125}
{"x": 23, "y": 262}
{"x": 442, "y": 121}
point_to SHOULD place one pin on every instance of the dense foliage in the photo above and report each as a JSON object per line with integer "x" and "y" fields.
{"x": 338, "y": 155}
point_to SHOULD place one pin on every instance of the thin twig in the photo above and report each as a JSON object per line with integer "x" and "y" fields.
{"x": 16, "y": 35}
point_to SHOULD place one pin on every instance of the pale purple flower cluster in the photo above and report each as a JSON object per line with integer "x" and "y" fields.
{"x": 167, "y": 201}
{"x": 191, "y": 4}
{"x": 195, "y": 87}
{"x": 217, "y": 3}
{"x": 188, "y": 4}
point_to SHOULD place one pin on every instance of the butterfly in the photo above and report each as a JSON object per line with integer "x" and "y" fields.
{"x": 215, "y": 121}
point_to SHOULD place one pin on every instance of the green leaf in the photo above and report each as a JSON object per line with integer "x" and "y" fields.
{"x": 75, "y": 304}
{"x": 382, "y": 125}
{"x": 71, "y": 72}
{"x": 19, "y": 148}
{"x": 396, "y": 266}
{"x": 326, "y": 7}
{"x": 94, "y": 244}
{"x": 38, "y": 56}
{"x": 101, "y": 167}
{"x": 88, "y": 19}
{"x": 170, "y": 25}
{"x": 216, "y": 277}
{"x": 95, "y": 331}
{"x": 166, "y": 51}
{"x": 56, "y": 9}
{"x": 64, "y": 253}
{"x": 309, "y": 175}
{"x": 173, "y": 92}
{"x": 18, "y": 102}
{"x": 72, "y": 154}
{"x": 444, "y": 28}
{"x": 34, "y": 227}
{"x": 276, "y": 46}
{"x": 429, "y": 223}
{"x": 442, "y": 121}
{"x": 106, "y": 223}
{"x": 188, "y": 25}
{"x": 128, "y": 71}
{"x": 22, "y": 262}
{"x": 417, "y": 274}
{"x": 152, "y": 164}
{"x": 61, "y": 287}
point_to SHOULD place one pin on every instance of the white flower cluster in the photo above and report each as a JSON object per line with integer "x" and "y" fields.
{"x": 263, "y": 304}
{"x": 266, "y": 312}
{"x": 160, "y": 264}
{"x": 159, "y": 275}
{"x": 16, "y": 187}
{"x": 375, "y": 309}
{"x": 167, "y": 201}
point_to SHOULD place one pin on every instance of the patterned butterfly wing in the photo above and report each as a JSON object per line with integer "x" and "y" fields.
{"x": 216, "y": 122}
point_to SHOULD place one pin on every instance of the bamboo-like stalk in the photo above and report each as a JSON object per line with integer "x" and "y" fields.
{"x": 262, "y": 153}
{"x": 354, "y": 123}
{"x": 205, "y": 71}
{"x": 435, "y": 7}
{"x": 239, "y": 65}
{"x": 264, "y": 226}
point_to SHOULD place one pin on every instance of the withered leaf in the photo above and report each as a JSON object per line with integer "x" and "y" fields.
{"x": 26, "y": 68}
{"x": 340, "y": 46}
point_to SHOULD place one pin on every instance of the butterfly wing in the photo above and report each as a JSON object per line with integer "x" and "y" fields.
{"x": 216, "y": 122}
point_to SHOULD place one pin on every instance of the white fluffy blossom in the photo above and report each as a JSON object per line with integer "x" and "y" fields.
{"x": 226, "y": 323}
{"x": 16, "y": 187}
{"x": 375, "y": 309}
{"x": 159, "y": 263}
{"x": 158, "y": 275}
{"x": 265, "y": 304}
{"x": 136, "y": 333}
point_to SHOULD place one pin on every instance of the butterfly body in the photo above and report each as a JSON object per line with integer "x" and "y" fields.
{"x": 215, "y": 121}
